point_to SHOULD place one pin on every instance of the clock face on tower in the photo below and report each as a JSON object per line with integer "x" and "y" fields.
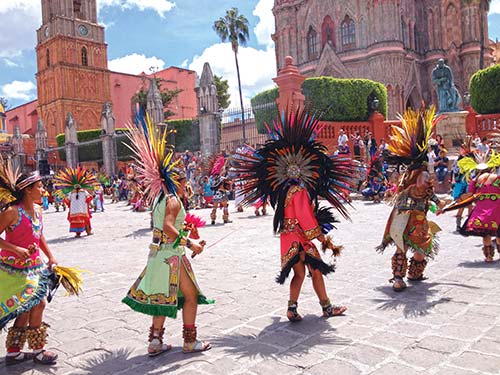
{"x": 82, "y": 29}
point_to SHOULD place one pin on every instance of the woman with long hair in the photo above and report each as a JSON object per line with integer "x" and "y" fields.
{"x": 24, "y": 275}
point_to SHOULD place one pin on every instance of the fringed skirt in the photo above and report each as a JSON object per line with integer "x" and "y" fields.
{"x": 21, "y": 290}
{"x": 156, "y": 292}
{"x": 305, "y": 252}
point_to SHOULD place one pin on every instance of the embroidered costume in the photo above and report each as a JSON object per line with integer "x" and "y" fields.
{"x": 76, "y": 184}
{"x": 293, "y": 171}
{"x": 25, "y": 279}
{"x": 484, "y": 191}
{"x": 157, "y": 291}
{"x": 221, "y": 187}
{"x": 407, "y": 226}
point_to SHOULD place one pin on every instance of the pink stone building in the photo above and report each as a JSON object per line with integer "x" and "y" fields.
{"x": 396, "y": 42}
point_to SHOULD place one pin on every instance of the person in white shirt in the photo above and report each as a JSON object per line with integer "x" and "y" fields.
{"x": 343, "y": 139}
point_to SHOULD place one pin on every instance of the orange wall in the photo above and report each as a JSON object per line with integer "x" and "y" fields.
{"x": 25, "y": 115}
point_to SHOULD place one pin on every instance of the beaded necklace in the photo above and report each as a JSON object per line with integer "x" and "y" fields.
{"x": 36, "y": 223}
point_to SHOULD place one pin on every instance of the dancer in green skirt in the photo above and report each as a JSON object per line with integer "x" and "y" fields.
{"x": 167, "y": 284}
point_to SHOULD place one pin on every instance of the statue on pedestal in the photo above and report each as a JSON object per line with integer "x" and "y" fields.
{"x": 448, "y": 95}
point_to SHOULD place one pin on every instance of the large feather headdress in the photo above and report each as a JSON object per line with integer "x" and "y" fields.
{"x": 156, "y": 168}
{"x": 409, "y": 141}
{"x": 68, "y": 179}
{"x": 293, "y": 157}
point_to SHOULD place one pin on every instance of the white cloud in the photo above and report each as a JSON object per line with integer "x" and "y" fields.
{"x": 257, "y": 66}
{"x": 136, "y": 64}
{"x": 495, "y": 7}
{"x": 185, "y": 64}
{"x": 21, "y": 18}
{"x": 22, "y": 90}
{"x": 159, "y": 6}
{"x": 10, "y": 63}
{"x": 265, "y": 27}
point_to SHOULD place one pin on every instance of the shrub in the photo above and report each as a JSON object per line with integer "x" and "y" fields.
{"x": 93, "y": 152}
{"x": 344, "y": 99}
{"x": 264, "y": 108}
{"x": 187, "y": 136}
{"x": 484, "y": 90}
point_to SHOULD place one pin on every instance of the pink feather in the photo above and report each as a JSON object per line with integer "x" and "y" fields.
{"x": 218, "y": 165}
{"x": 196, "y": 221}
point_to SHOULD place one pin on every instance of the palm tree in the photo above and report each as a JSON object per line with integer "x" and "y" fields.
{"x": 233, "y": 27}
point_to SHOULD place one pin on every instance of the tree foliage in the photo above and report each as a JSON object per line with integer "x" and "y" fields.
{"x": 167, "y": 96}
{"x": 223, "y": 96}
{"x": 484, "y": 90}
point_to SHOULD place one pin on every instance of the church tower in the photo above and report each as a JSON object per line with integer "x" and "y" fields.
{"x": 73, "y": 75}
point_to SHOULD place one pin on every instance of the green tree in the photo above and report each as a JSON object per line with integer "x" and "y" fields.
{"x": 167, "y": 96}
{"x": 223, "y": 96}
{"x": 233, "y": 27}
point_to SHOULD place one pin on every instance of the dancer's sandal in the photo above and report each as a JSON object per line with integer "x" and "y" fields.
{"x": 19, "y": 358}
{"x": 292, "y": 313}
{"x": 331, "y": 310}
{"x": 45, "y": 358}
{"x": 154, "y": 351}
{"x": 398, "y": 284}
{"x": 196, "y": 347}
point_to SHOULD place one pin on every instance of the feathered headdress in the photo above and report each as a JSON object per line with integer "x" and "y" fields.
{"x": 68, "y": 179}
{"x": 478, "y": 162}
{"x": 10, "y": 182}
{"x": 409, "y": 141}
{"x": 293, "y": 157}
{"x": 156, "y": 168}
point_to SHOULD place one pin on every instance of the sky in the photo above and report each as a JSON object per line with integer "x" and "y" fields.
{"x": 155, "y": 33}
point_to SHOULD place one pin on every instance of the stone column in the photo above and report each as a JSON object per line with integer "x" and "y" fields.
{"x": 154, "y": 105}
{"x": 19, "y": 157}
{"x": 208, "y": 108}
{"x": 108, "y": 137}
{"x": 42, "y": 164}
{"x": 71, "y": 144}
{"x": 289, "y": 81}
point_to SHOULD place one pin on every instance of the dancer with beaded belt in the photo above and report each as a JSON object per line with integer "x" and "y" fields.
{"x": 24, "y": 277}
{"x": 484, "y": 190}
{"x": 407, "y": 226}
{"x": 167, "y": 284}
{"x": 293, "y": 170}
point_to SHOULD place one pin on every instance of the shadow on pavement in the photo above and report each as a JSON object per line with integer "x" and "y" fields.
{"x": 416, "y": 299}
{"x": 479, "y": 264}
{"x": 281, "y": 339}
{"x": 65, "y": 239}
{"x": 139, "y": 233}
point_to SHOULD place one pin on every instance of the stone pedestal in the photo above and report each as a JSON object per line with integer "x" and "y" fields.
{"x": 209, "y": 134}
{"x": 453, "y": 129}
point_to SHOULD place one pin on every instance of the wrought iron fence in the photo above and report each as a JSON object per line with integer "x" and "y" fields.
{"x": 255, "y": 129}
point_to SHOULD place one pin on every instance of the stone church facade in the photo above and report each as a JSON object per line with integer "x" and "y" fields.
{"x": 396, "y": 42}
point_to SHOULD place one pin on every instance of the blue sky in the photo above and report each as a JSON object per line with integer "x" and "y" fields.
{"x": 158, "y": 33}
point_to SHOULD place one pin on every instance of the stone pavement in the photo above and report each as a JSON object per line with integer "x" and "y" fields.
{"x": 449, "y": 324}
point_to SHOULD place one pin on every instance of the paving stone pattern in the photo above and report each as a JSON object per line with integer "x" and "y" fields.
{"x": 448, "y": 324}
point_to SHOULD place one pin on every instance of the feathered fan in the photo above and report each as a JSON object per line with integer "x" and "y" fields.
{"x": 66, "y": 179}
{"x": 408, "y": 142}
{"x": 155, "y": 164}
{"x": 293, "y": 156}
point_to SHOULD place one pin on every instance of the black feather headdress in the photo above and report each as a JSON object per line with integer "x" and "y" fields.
{"x": 293, "y": 156}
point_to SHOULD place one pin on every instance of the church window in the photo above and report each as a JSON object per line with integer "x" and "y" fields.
{"x": 404, "y": 30}
{"x": 77, "y": 8}
{"x": 48, "y": 58}
{"x": 328, "y": 32}
{"x": 348, "y": 32}
{"x": 312, "y": 44}
{"x": 85, "y": 61}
